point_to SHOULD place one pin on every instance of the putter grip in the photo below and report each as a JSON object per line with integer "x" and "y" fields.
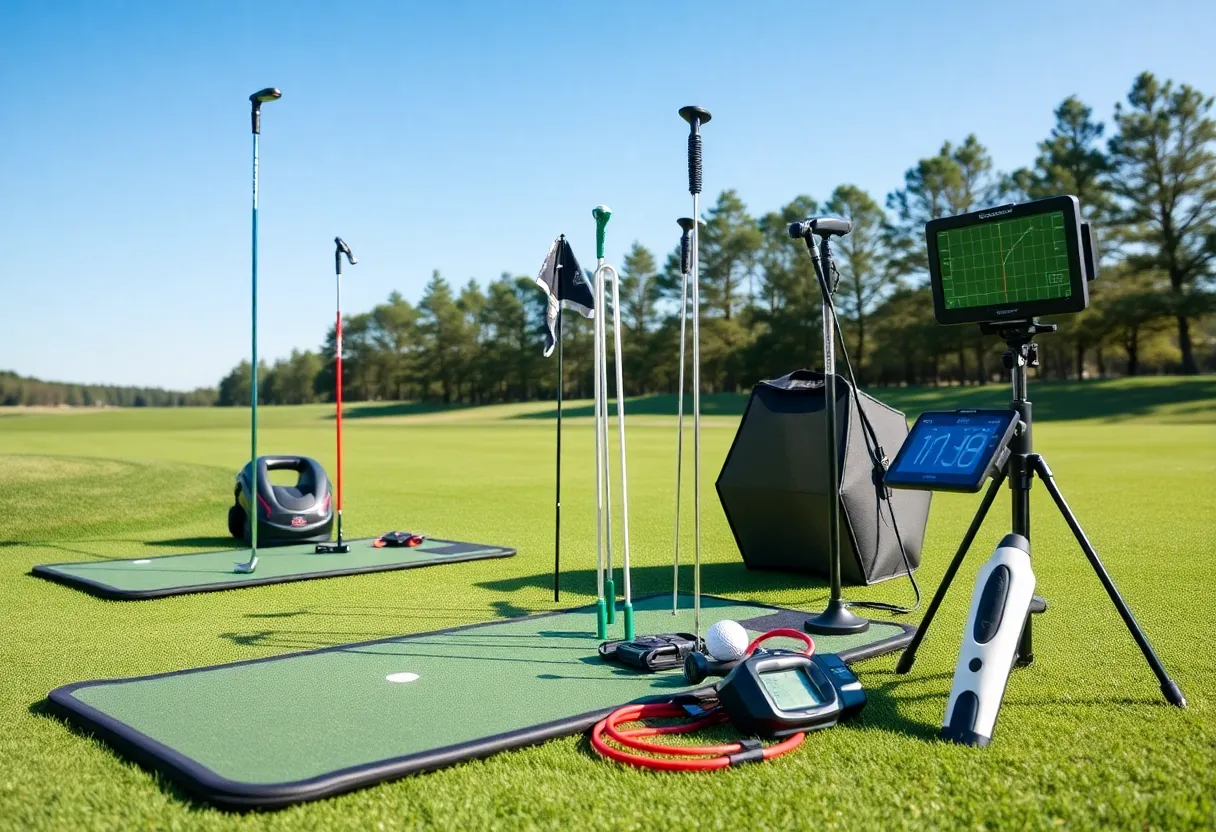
{"x": 694, "y": 161}
{"x": 686, "y": 252}
{"x": 601, "y": 223}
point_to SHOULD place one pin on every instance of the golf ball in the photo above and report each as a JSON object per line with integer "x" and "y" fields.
{"x": 726, "y": 641}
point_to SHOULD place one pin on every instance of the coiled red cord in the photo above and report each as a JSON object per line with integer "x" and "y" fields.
{"x": 712, "y": 756}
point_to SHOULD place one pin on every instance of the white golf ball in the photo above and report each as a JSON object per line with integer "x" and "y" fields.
{"x": 726, "y": 641}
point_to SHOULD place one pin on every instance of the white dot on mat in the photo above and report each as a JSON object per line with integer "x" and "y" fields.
{"x": 142, "y": 561}
{"x": 401, "y": 677}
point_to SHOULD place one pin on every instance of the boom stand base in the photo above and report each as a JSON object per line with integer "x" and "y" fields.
{"x": 836, "y": 620}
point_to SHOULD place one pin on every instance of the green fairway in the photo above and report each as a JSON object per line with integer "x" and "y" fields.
{"x": 1084, "y": 739}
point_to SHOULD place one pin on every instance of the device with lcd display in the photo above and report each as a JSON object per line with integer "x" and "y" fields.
{"x": 776, "y": 693}
{"x": 953, "y": 450}
{"x": 1012, "y": 262}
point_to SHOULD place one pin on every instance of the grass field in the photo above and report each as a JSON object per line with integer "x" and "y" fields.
{"x": 1084, "y": 739}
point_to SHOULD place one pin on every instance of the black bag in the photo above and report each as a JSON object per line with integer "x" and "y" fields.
{"x": 651, "y": 653}
{"x": 774, "y": 485}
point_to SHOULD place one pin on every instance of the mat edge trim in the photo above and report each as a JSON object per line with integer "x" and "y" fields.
{"x": 201, "y": 781}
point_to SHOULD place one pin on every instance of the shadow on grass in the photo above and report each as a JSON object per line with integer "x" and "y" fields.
{"x": 712, "y": 404}
{"x": 375, "y": 409}
{"x": 648, "y": 580}
{"x": 213, "y": 542}
{"x": 1190, "y": 399}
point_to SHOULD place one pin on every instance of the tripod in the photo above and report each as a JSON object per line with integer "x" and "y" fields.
{"x": 1020, "y": 469}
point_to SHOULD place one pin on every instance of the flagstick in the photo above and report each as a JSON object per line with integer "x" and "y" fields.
{"x": 557, "y": 508}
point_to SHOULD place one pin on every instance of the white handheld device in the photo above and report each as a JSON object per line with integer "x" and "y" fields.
{"x": 999, "y": 607}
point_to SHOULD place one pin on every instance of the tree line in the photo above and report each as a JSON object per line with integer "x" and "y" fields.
{"x": 33, "y": 392}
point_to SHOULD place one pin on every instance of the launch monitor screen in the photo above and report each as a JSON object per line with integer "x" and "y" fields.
{"x": 1007, "y": 263}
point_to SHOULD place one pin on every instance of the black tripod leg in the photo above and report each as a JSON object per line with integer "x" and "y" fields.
{"x": 909, "y": 655}
{"x": 1169, "y": 687}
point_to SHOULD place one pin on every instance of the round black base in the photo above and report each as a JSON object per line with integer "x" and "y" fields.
{"x": 836, "y": 620}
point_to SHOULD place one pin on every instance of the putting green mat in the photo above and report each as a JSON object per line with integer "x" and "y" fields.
{"x": 210, "y": 571}
{"x": 271, "y": 732}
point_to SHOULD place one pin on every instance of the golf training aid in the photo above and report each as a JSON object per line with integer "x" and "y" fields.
{"x": 696, "y": 117}
{"x": 775, "y": 493}
{"x": 606, "y": 587}
{"x": 286, "y": 514}
{"x": 408, "y": 704}
{"x": 999, "y": 608}
{"x": 340, "y": 249}
{"x": 1013, "y": 262}
{"x": 256, "y": 101}
{"x": 970, "y": 285}
{"x": 774, "y": 694}
{"x": 953, "y": 450}
{"x": 650, "y": 653}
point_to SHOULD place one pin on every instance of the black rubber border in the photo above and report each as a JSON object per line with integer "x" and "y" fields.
{"x": 50, "y": 572}
{"x": 235, "y": 795}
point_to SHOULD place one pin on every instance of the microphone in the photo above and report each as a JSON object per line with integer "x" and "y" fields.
{"x": 823, "y": 226}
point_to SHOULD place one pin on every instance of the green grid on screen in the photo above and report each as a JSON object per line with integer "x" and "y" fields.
{"x": 1011, "y": 261}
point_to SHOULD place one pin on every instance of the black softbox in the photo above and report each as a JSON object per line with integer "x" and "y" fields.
{"x": 774, "y": 484}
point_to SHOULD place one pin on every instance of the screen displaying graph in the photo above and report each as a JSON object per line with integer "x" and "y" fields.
{"x": 1009, "y": 261}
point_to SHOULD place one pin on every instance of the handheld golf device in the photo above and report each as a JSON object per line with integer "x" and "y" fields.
{"x": 1000, "y": 606}
{"x": 256, "y": 101}
{"x": 340, "y": 249}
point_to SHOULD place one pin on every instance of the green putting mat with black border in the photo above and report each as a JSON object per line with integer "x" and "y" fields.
{"x": 271, "y": 732}
{"x": 157, "y": 577}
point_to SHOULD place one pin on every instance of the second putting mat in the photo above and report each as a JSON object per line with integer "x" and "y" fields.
{"x": 270, "y": 732}
{"x": 157, "y": 577}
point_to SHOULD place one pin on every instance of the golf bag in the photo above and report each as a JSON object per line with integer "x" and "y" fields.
{"x": 774, "y": 484}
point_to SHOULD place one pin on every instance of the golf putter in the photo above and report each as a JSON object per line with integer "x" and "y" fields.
{"x": 340, "y": 248}
{"x": 256, "y": 101}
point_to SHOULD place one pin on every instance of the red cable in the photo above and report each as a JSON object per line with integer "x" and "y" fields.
{"x": 715, "y": 756}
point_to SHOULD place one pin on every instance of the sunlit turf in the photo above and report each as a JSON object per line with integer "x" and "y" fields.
{"x": 1083, "y": 740}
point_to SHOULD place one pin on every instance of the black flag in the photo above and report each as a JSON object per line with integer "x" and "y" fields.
{"x": 563, "y": 281}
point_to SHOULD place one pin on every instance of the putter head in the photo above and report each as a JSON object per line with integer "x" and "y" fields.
{"x": 246, "y": 568}
{"x": 343, "y": 248}
{"x": 268, "y": 94}
{"x": 701, "y": 115}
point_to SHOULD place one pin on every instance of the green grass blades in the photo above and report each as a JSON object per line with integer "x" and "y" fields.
{"x": 1084, "y": 739}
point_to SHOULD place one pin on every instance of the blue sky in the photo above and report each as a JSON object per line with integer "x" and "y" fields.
{"x": 465, "y": 137}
